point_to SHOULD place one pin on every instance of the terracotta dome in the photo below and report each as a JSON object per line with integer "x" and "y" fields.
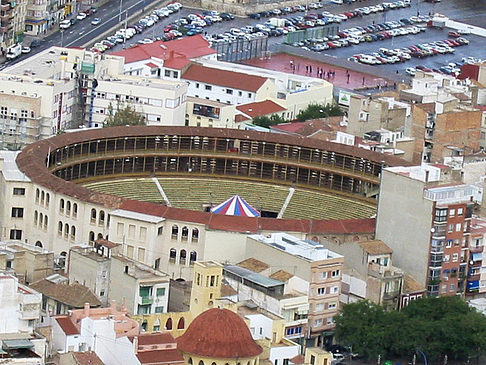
{"x": 219, "y": 333}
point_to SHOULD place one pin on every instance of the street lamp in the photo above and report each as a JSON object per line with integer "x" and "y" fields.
{"x": 119, "y": 15}
{"x": 62, "y": 37}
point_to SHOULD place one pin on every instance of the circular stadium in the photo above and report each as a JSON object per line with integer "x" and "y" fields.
{"x": 194, "y": 168}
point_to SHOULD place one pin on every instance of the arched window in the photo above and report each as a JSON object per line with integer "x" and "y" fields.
{"x": 36, "y": 217}
{"x": 61, "y": 206}
{"x": 75, "y": 210}
{"x": 42, "y": 197}
{"x": 185, "y": 233}
{"x": 38, "y": 244}
{"x": 48, "y": 200}
{"x": 190, "y": 361}
{"x": 68, "y": 208}
{"x": 37, "y": 194}
{"x": 180, "y": 324}
{"x": 168, "y": 324}
{"x": 182, "y": 257}
{"x": 59, "y": 228}
{"x": 41, "y": 219}
{"x": 144, "y": 325}
{"x": 175, "y": 231}
{"x": 201, "y": 362}
{"x": 192, "y": 257}
{"x": 91, "y": 238}
{"x": 195, "y": 235}
{"x": 102, "y": 218}
{"x": 45, "y": 221}
{"x": 93, "y": 215}
{"x": 100, "y": 236}
{"x": 66, "y": 231}
{"x": 73, "y": 232}
{"x": 213, "y": 363}
{"x": 172, "y": 255}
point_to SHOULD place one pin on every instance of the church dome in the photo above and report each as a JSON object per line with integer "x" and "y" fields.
{"x": 219, "y": 333}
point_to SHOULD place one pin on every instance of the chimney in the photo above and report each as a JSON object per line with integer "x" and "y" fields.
{"x": 86, "y": 309}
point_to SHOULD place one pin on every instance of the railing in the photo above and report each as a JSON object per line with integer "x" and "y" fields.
{"x": 147, "y": 300}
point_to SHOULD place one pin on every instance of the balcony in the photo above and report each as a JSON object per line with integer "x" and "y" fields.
{"x": 391, "y": 295}
{"x": 147, "y": 300}
{"x": 476, "y": 249}
{"x": 380, "y": 271}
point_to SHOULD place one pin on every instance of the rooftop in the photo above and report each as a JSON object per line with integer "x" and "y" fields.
{"x": 10, "y": 169}
{"x": 260, "y": 108}
{"x": 137, "y": 216}
{"x": 87, "y": 358}
{"x": 306, "y": 249}
{"x": 254, "y": 277}
{"x": 229, "y": 79}
{"x": 140, "y": 271}
{"x": 375, "y": 247}
{"x": 253, "y": 265}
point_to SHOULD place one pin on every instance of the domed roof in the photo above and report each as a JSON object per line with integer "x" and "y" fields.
{"x": 219, "y": 333}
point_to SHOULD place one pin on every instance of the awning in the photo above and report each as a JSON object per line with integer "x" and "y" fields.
{"x": 477, "y": 256}
{"x": 471, "y": 285}
{"x": 17, "y": 344}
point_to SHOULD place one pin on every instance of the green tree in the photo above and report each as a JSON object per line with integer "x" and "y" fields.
{"x": 315, "y": 111}
{"x": 436, "y": 326}
{"x": 123, "y": 115}
{"x": 265, "y": 121}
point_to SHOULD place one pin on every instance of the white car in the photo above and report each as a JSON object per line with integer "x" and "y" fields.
{"x": 410, "y": 71}
{"x": 65, "y": 24}
{"x": 96, "y": 21}
{"x": 25, "y": 49}
{"x": 81, "y": 16}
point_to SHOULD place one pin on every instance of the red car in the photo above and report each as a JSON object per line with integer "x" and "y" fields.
{"x": 453, "y": 34}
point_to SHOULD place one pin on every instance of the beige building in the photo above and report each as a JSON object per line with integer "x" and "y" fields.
{"x": 202, "y": 112}
{"x": 318, "y": 266}
{"x": 142, "y": 289}
{"x": 12, "y": 23}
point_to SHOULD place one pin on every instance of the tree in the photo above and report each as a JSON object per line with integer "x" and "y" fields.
{"x": 316, "y": 111}
{"x": 265, "y": 121}
{"x": 436, "y": 326}
{"x": 123, "y": 115}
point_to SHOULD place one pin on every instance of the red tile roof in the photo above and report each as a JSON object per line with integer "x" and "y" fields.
{"x": 87, "y": 358}
{"x": 67, "y": 325}
{"x": 160, "y": 357}
{"x": 219, "y": 333}
{"x": 155, "y": 338}
{"x": 260, "y": 108}
{"x": 189, "y": 47}
{"x": 151, "y": 65}
{"x": 229, "y": 79}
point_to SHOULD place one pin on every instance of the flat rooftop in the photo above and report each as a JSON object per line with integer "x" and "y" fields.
{"x": 142, "y": 272}
{"x": 10, "y": 169}
{"x": 306, "y": 249}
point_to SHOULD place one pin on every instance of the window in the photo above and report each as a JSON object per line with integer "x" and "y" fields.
{"x": 318, "y": 323}
{"x": 330, "y": 320}
{"x": 458, "y": 227}
{"x": 332, "y": 305}
{"x": 160, "y": 292}
{"x": 93, "y": 215}
{"x": 15, "y": 234}
{"x": 119, "y": 229}
{"x": 172, "y": 255}
{"x": 141, "y": 254}
{"x": 160, "y": 230}
{"x": 197, "y": 85}
{"x": 446, "y": 258}
{"x": 17, "y": 212}
{"x": 208, "y": 87}
{"x": 449, "y": 243}
{"x": 18, "y": 191}
{"x": 335, "y": 273}
{"x": 61, "y": 206}
{"x": 102, "y": 293}
{"x": 459, "y": 211}
{"x": 185, "y": 233}
{"x": 319, "y": 307}
{"x": 167, "y": 73}
{"x": 195, "y": 235}
{"x": 159, "y": 310}
{"x": 175, "y": 232}
{"x": 145, "y": 291}
{"x": 229, "y": 91}
{"x": 324, "y": 275}
{"x": 452, "y": 287}
{"x": 455, "y": 257}
{"x": 250, "y": 95}
{"x": 321, "y": 291}
{"x": 450, "y": 228}
{"x": 452, "y": 212}
{"x": 440, "y": 215}
{"x": 192, "y": 257}
{"x": 334, "y": 290}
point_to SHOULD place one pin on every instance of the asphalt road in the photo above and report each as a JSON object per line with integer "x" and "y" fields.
{"x": 469, "y": 11}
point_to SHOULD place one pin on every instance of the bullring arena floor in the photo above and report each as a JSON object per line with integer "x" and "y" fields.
{"x": 193, "y": 193}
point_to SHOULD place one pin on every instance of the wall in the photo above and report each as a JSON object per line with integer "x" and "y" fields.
{"x": 404, "y": 221}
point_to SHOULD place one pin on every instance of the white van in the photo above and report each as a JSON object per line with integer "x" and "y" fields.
{"x": 65, "y": 24}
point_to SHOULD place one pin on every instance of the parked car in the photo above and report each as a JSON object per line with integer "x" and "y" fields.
{"x": 96, "y": 21}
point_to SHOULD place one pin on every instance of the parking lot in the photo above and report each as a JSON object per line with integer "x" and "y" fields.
{"x": 460, "y": 10}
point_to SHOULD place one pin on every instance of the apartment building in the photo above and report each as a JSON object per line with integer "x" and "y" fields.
{"x": 41, "y": 15}
{"x": 64, "y": 88}
{"x": 426, "y": 219}
{"x": 312, "y": 262}
{"x": 110, "y": 276}
{"x": 12, "y": 22}
{"x": 476, "y": 275}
